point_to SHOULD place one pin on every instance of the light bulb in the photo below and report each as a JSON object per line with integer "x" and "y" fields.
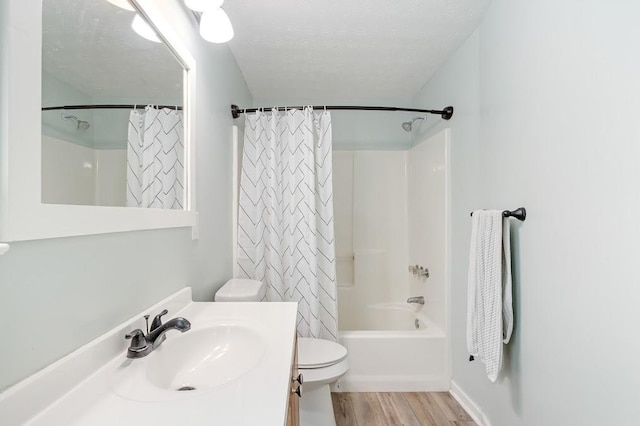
{"x": 215, "y": 26}
{"x": 203, "y": 5}
{"x": 144, "y": 30}
{"x": 123, "y": 4}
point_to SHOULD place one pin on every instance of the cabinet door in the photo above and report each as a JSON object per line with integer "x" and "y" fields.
{"x": 293, "y": 415}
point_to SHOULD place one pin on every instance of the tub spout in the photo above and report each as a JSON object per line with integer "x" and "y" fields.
{"x": 417, "y": 299}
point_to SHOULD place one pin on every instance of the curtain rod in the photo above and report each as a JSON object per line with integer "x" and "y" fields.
{"x": 446, "y": 113}
{"x": 112, "y": 106}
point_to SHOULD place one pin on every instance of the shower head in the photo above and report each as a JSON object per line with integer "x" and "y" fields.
{"x": 80, "y": 124}
{"x": 408, "y": 125}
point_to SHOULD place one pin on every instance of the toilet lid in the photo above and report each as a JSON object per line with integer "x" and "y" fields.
{"x": 241, "y": 289}
{"x": 316, "y": 353}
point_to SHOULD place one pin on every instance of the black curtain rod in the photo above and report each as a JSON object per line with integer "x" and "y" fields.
{"x": 446, "y": 113}
{"x": 112, "y": 106}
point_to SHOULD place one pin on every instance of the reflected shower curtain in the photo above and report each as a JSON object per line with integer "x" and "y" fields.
{"x": 285, "y": 219}
{"x": 155, "y": 159}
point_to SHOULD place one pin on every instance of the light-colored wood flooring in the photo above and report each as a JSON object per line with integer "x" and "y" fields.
{"x": 399, "y": 408}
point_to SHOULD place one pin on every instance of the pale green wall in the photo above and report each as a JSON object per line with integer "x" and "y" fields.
{"x": 111, "y": 125}
{"x": 547, "y": 98}
{"x": 56, "y": 295}
{"x": 108, "y": 126}
{"x": 56, "y": 92}
{"x": 371, "y": 130}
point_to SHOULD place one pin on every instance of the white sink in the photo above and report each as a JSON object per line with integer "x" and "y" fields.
{"x": 201, "y": 359}
{"x": 207, "y": 357}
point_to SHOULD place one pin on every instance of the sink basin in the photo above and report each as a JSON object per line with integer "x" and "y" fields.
{"x": 204, "y": 358}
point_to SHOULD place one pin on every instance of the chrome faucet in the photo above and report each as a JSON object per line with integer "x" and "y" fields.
{"x": 142, "y": 345}
{"x": 416, "y": 299}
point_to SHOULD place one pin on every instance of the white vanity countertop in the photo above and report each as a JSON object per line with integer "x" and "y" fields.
{"x": 111, "y": 395}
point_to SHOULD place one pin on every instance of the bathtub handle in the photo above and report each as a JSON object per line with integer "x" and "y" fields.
{"x": 299, "y": 379}
{"x": 419, "y": 271}
{"x": 297, "y": 391}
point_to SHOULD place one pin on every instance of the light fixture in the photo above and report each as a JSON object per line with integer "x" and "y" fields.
{"x": 215, "y": 26}
{"x": 123, "y": 4}
{"x": 203, "y": 5}
{"x": 144, "y": 30}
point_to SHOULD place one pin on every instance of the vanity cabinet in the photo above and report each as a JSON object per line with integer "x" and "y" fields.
{"x": 293, "y": 413}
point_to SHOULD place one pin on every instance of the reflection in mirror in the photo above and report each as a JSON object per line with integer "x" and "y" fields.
{"x": 120, "y": 139}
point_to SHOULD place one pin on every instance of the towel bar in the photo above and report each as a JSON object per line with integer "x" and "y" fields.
{"x": 520, "y": 213}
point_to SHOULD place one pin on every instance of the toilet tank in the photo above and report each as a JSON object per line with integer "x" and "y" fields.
{"x": 241, "y": 290}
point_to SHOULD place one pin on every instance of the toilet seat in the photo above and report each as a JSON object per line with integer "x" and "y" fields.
{"x": 321, "y": 362}
{"x": 318, "y": 353}
{"x": 315, "y": 377}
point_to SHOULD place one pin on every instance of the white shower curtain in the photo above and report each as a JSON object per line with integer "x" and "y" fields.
{"x": 285, "y": 220}
{"x": 155, "y": 153}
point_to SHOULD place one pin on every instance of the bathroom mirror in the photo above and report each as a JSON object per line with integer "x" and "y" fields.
{"x": 112, "y": 98}
{"x": 23, "y": 214}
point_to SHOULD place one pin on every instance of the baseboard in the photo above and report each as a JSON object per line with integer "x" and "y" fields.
{"x": 474, "y": 410}
{"x": 367, "y": 383}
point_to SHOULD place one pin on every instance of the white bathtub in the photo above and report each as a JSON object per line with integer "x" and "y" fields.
{"x": 391, "y": 355}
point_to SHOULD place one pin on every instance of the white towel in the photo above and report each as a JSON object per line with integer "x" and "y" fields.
{"x": 489, "y": 307}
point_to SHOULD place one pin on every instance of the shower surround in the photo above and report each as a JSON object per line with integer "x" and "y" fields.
{"x": 391, "y": 211}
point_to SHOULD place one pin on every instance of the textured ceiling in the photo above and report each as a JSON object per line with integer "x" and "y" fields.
{"x": 341, "y": 50}
{"x": 90, "y": 45}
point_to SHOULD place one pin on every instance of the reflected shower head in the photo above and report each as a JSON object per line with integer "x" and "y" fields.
{"x": 80, "y": 124}
{"x": 408, "y": 125}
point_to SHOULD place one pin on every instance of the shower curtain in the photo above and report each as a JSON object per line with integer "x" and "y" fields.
{"x": 155, "y": 153}
{"x": 285, "y": 220}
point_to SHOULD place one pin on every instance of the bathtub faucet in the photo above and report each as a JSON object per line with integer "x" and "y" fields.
{"x": 416, "y": 299}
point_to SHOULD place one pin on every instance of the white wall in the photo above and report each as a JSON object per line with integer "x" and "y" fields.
{"x": 547, "y": 97}
{"x": 427, "y": 209}
{"x": 59, "y": 294}
{"x": 342, "y": 162}
{"x": 68, "y": 172}
{"x": 376, "y": 220}
{"x": 76, "y": 174}
{"x": 390, "y": 212}
{"x": 111, "y": 177}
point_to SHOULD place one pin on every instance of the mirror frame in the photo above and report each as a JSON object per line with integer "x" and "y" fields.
{"x": 22, "y": 214}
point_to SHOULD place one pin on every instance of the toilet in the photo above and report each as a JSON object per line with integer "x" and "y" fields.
{"x": 321, "y": 362}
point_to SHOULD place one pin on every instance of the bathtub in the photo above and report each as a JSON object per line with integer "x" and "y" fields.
{"x": 395, "y": 349}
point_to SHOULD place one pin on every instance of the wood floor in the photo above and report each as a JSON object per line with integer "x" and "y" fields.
{"x": 399, "y": 408}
